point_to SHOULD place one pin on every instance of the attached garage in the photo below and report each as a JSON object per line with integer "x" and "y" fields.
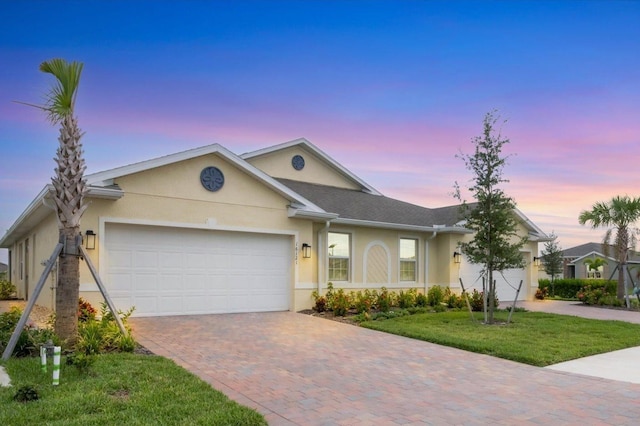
{"x": 506, "y": 283}
{"x": 178, "y": 271}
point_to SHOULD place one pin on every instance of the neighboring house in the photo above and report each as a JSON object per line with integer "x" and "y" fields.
{"x": 575, "y": 267}
{"x": 3, "y": 271}
{"x": 209, "y": 231}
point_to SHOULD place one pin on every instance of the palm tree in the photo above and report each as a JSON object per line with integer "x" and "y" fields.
{"x": 619, "y": 214}
{"x": 69, "y": 190}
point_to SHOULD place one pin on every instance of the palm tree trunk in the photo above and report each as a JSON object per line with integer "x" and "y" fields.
{"x": 70, "y": 188}
{"x": 68, "y": 291}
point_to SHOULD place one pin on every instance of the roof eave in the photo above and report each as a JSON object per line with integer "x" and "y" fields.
{"x": 35, "y": 212}
{"x": 42, "y": 206}
{"x": 311, "y": 214}
{"x": 403, "y": 226}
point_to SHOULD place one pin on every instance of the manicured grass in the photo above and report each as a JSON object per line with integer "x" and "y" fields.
{"x": 123, "y": 389}
{"x": 533, "y": 338}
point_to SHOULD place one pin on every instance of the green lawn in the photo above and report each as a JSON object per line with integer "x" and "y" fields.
{"x": 532, "y": 338}
{"x": 119, "y": 389}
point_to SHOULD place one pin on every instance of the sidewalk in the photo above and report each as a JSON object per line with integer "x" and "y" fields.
{"x": 619, "y": 365}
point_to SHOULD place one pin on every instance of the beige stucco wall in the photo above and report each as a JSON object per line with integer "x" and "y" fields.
{"x": 278, "y": 164}
{"x": 27, "y": 257}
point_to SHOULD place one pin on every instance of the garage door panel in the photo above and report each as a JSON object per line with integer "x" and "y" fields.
{"x": 171, "y": 271}
{"x": 506, "y": 283}
{"x": 146, "y": 282}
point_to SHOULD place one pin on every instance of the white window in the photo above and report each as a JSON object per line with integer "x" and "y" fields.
{"x": 408, "y": 259}
{"x": 339, "y": 256}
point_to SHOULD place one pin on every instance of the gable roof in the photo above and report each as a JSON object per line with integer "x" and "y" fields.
{"x": 357, "y": 206}
{"x": 361, "y": 208}
{"x": 578, "y": 253}
{"x": 311, "y": 148}
{"x": 583, "y": 249}
{"x": 3, "y": 267}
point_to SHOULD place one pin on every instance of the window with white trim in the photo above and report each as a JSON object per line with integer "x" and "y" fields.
{"x": 408, "y": 259}
{"x": 339, "y": 247}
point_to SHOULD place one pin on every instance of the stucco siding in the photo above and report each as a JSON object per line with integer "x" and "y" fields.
{"x": 278, "y": 164}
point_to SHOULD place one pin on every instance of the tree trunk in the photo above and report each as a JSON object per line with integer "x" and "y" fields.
{"x": 491, "y": 298}
{"x": 621, "y": 281}
{"x": 68, "y": 290}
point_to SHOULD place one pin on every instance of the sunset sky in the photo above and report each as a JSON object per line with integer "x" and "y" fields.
{"x": 392, "y": 90}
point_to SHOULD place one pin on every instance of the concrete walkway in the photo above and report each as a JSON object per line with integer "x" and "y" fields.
{"x": 303, "y": 370}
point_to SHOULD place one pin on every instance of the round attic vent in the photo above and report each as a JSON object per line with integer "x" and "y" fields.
{"x": 297, "y": 162}
{"x": 211, "y": 178}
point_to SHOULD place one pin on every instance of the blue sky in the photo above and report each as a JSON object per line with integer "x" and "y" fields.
{"x": 393, "y": 90}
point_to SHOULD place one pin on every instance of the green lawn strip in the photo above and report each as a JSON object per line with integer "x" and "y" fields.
{"x": 119, "y": 389}
{"x": 533, "y": 338}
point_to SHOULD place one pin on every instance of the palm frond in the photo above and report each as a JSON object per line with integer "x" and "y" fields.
{"x": 60, "y": 101}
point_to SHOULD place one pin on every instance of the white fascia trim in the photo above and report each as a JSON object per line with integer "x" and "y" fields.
{"x": 540, "y": 235}
{"x": 595, "y": 253}
{"x": 311, "y": 147}
{"x": 309, "y": 214}
{"x": 400, "y": 226}
{"x": 105, "y": 193}
{"x": 43, "y": 202}
{"x": 35, "y": 206}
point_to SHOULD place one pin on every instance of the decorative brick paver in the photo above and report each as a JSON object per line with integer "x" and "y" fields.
{"x": 301, "y": 370}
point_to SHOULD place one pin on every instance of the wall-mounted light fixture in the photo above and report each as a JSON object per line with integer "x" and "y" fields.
{"x": 536, "y": 261}
{"x": 90, "y": 241}
{"x": 457, "y": 257}
{"x": 306, "y": 250}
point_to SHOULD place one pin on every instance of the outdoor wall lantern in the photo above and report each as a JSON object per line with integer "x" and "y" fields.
{"x": 536, "y": 261}
{"x": 306, "y": 250}
{"x": 90, "y": 242}
{"x": 457, "y": 257}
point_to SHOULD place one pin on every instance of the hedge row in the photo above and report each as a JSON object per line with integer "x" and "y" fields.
{"x": 569, "y": 287}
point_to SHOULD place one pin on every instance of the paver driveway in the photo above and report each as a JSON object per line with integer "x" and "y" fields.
{"x": 302, "y": 370}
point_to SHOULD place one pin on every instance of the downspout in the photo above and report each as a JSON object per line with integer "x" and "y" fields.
{"x": 321, "y": 267}
{"x": 54, "y": 271}
{"x": 426, "y": 266}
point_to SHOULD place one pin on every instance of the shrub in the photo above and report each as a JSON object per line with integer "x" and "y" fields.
{"x": 435, "y": 295}
{"x": 452, "y": 300}
{"x": 384, "y": 300}
{"x": 341, "y": 303}
{"x": 81, "y": 361}
{"x": 569, "y": 287}
{"x": 477, "y": 301}
{"x": 320, "y": 302}
{"x": 26, "y": 393}
{"x": 362, "y": 301}
{"x": 95, "y": 337}
{"x": 330, "y": 296}
{"x": 407, "y": 299}
{"x": 6, "y": 289}
{"x": 390, "y": 314}
{"x": 590, "y": 295}
{"x": 29, "y": 340}
{"x": 542, "y": 293}
{"x": 421, "y": 300}
{"x": 86, "y": 312}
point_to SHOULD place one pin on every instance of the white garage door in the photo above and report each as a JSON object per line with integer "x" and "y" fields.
{"x": 176, "y": 271}
{"x": 506, "y": 283}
